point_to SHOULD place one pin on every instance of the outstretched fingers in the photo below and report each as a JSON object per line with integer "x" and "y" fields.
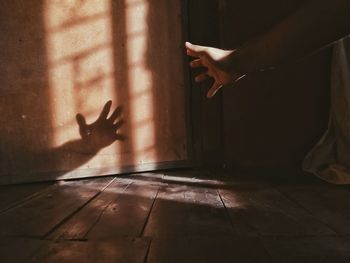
{"x": 214, "y": 89}
{"x": 118, "y": 124}
{"x": 194, "y": 50}
{"x": 105, "y": 111}
{"x": 196, "y": 63}
{"x": 116, "y": 113}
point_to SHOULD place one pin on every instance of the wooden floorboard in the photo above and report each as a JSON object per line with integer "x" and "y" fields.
{"x": 175, "y": 217}
{"x": 207, "y": 250}
{"x": 14, "y": 195}
{"x": 41, "y": 215}
{"x": 79, "y": 225}
{"x": 128, "y": 250}
{"x": 121, "y": 210}
{"x": 269, "y": 212}
{"x": 309, "y": 250}
{"x": 328, "y": 203}
{"x": 127, "y": 215}
{"x": 19, "y": 250}
{"x": 186, "y": 210}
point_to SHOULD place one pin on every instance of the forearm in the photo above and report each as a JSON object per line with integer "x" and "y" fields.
{"x": 313, "y": 26}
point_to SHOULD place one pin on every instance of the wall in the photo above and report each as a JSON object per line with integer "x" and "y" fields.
{"x": 61, "y": 58}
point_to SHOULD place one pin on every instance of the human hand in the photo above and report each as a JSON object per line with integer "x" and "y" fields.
{"x": 218, "y": 63}
{"x": 104, "y": 131}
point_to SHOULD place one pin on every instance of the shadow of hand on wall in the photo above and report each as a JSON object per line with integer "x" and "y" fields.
{"x": 94, "y": 137}
{"x": 103, "y": 132}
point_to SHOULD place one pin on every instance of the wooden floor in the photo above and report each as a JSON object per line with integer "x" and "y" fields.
{"x": 175, "y": 217}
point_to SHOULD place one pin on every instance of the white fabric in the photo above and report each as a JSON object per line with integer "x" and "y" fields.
{"x": 330, "y": 158}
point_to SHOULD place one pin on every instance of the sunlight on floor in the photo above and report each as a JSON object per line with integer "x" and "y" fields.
{"x": 177, "y": 189}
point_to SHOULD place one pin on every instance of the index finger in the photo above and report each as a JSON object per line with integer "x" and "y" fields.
{"x": 194, "y": 50}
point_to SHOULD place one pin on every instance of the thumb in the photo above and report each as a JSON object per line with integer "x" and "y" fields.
{"x": 81, "y": 121}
